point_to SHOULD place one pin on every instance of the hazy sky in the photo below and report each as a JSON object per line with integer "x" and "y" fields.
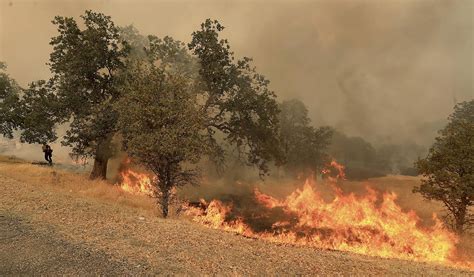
{"x": 389, "y": 71}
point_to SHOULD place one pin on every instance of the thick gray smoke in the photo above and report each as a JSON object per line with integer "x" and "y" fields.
{"x": 389, "y": 71}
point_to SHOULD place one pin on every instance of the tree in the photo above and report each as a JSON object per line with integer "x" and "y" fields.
{"x": 237, "y": 101}
{"x": 40, "y": 112}
{"x": 448, "y": 168}
{"x": 160, "y": 118}
{"x": 177, "y": 109}
{"x": 161, "y": 124}
{"x": 84, "y": 64}
{"x": 9, "y": 108}
{"x": 304, "y": 146}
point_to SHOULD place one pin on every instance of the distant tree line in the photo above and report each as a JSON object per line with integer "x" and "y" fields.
{"x": 363, "y": 160}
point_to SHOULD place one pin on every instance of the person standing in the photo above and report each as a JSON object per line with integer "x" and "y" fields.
{"x": 48, "y": 153}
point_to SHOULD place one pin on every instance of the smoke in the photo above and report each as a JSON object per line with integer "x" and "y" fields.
{"x": 380, "y": 71}
{"x": 389, "y": 72}
{"x": 34, "y": 153}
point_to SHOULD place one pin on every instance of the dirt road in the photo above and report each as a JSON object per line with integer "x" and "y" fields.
{"x": 50, "y": 230}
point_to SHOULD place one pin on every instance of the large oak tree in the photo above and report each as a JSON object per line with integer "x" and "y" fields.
{"x": 84, "y": 63}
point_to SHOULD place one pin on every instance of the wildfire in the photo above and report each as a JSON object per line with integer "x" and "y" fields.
{"x": 341, "y": 175}
{"x": 360, "y": 224}
{"x": 137, "y": 183}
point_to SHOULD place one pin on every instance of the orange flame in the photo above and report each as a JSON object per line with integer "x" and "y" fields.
{"x": 359, "y": 224}
{"x": 137, "y": 183}
{"x": 341, "y": 175}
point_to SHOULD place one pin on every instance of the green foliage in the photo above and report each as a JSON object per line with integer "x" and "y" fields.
{"x": 161, "y": 124}
{"x": 448, "y": 168}
{"x": 160, "y": 119}
{"x": 40, "y": 112}
{"x": 9, "y": 108}
{"x": 136, "y": 42}
{"x": 84, "y": 64}
{"x": 303, "y": 145}
{"x": 175, "y": 108}
{"x": 238, "y": 104}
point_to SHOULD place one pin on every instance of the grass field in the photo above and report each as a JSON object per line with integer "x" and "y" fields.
{"x": 127, "y": 229}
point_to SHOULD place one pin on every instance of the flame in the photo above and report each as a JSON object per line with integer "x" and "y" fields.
{"x": 341, "y": 175}
{"x": 137, "y": 183}
{"x": 360, "y": 224}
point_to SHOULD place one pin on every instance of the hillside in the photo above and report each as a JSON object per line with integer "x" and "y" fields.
{"x": 55, "y": 222}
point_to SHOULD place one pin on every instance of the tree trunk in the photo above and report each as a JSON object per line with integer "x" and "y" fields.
{"x": 460, "y": 218}
{"x": 99, "y": 171}
{"x": 165, "y": 198}
{"x": 101, "y": 159}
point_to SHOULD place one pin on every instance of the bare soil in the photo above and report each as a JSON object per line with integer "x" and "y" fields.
{"x": 50, "y": 226}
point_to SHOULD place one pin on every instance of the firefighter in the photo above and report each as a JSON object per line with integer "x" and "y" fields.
{"x": 48, "y": 153}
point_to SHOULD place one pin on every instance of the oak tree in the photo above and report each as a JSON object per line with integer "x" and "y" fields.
{"x": 448, "y": 168}
{"x": 161, "y": 125}
{"x": 84, "y": 63}
{"x": 9, "y": 109}
{"x": 237, "y": 101}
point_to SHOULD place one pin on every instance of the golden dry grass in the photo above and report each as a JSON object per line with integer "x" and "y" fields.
{"x": 72, "y": 182}
{"x": 80, "y": 184}
{"x": 102, "y": 216}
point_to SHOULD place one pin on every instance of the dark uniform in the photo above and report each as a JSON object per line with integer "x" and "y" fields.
{"x": 48, "y": 154}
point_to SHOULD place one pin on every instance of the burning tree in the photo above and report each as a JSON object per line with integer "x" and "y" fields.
{"x": 448, "y": 168}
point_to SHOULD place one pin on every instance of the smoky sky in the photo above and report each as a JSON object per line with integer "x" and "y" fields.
{"x": 389, "y": 71}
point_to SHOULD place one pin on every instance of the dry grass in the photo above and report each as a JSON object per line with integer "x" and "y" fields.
{"x": 118, "y": 205}
{"x": 11, "y": 160}
{"x": 80, "y": 183}
{"x": 45, "y": 176}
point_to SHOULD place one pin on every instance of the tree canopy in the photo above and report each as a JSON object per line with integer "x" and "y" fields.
{"x": 175, "y": 110}
{"x": 84, "y": 63}
{"x": 161, "y": 125}
{"x": 448, "y": 168}
{"x": 237, "y": 101}
{"x": 9, "y": 103}
{"x": 40, "y": 112}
